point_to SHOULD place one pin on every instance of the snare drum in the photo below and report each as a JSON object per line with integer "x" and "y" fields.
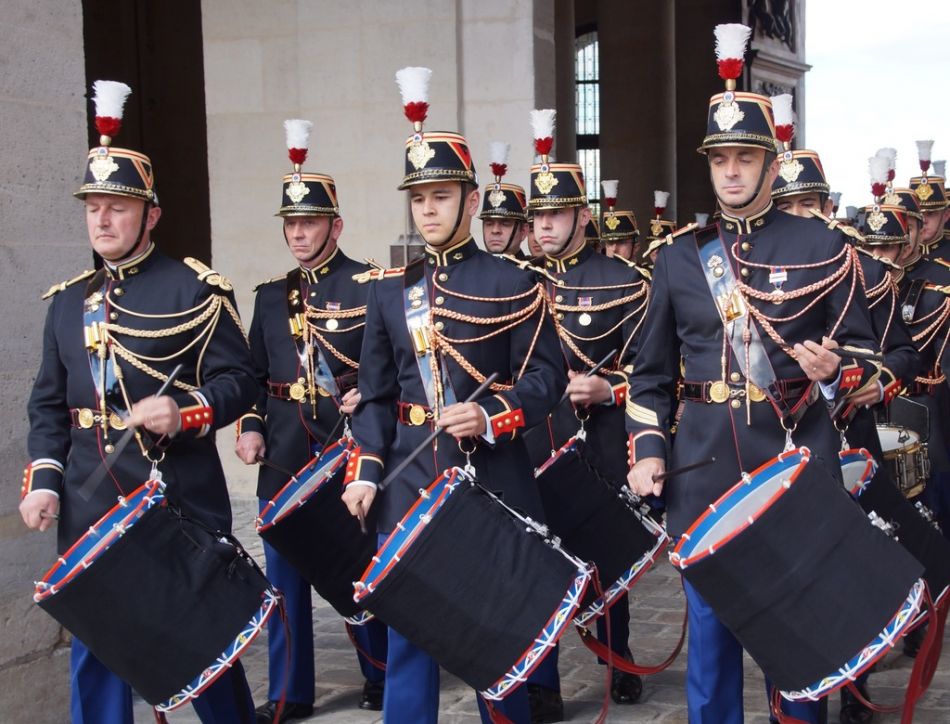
{"x": 163, "y": 602}
{"x": 792, "y": 567}
{"x": 597, "y": 522}
{"x": 907, "y": 458}
{"x": 483, "y": 591}
{"x": 308, "y": 524}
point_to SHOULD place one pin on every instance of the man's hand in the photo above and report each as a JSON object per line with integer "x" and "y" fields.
{"x": 588, "y": 390}
{"x": 867, "y": 397}
{"x": 158, "y": 415}
{"x": 640, "y": 477}
{"x": 349, "y": 402}
{"x": 817, "y": 361}
{"x": 463, "y": 419}
{"x": 248, "y": 446}
{"x": 358, "y": 499}
{"x": 39, "y": 509}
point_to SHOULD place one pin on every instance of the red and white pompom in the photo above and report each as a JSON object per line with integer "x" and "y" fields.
{"x": 610, "y": 187}
{"x": 891, "y": 155}
{"x": 784, "y": 118}
{"x": 298, "y": 139}
{"x": 109, "y": 98}
{"x": 542, "y": 125}
{"x": 660, "y": 198}
{"x": 731, "y": 42}
{"x": 498, "y": 158}
{"x": 924, "y": 149}
{"x": 878, "y": 167}
{"x": 413, "y": 85}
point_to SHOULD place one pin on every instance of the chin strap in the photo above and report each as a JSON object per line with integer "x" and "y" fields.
{"x": 138, "y": 239}
{"x": 570, "y": 236}
{"x": 318, "y": 252}
{"x": 511, "y": 239}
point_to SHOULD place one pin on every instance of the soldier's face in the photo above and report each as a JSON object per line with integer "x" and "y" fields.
{"x": 534, "y": 248}
{"x": 738, "y": 177}
{"x": 552, "y": 229}
{"x": 114, "y": 223}
{"x": 801, "y": 204}
{"x": 933, "y": 225}
{"x": 499, "y": 232}
{"x": 307, "y": 237}
{"x": 435, "y": 211}
{"x": 907, "y": 251}
{"x": 889, "y": 251}
{"x": 621, "y": 249}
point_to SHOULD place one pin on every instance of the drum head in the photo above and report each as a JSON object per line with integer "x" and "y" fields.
{"x": 857, "y": 469}
{"x": 894, "y": 439}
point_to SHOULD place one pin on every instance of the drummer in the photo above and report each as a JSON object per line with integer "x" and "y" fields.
{"x": 481, "y": 315}
{"x": 503, "y": 216}
{"x": 727, "y": 415}
{"x": 305, "y": 341}
{"x": 86, "y": 395}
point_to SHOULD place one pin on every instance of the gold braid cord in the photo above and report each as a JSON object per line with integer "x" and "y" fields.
{"x": 319, "y": 332}
{"x": 935, "y": 322}
{"x": 502, "y": 324}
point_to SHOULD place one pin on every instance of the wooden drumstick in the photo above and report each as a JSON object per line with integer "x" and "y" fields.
{"x": 867, "y": 356}
{"x": 683, "y": 469}
{"x": 274, "y": 466}
{"x": 51, "y": 516}
{"x": 594, "y": 370}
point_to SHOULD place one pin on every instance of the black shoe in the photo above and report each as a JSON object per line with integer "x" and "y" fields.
{"x": 372, "y": 698}
{"x": 913, "y": 640}
{"x": 546, "y": 705}
{"x": 852, "y": 710}
{"x": 265, "y": 714}
{"x": 625, "y": 688}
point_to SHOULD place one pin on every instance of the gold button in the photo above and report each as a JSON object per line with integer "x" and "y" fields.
{"x": 730, "y": 227}
{"x": 133, "y": 270}
{"x": 443, "y": 277}
{"x": 735, "y": 377}
{"x": 113, "y": 316}
{"x": 746, "y": 246}
{"x": 431, "y": 260}
{"x": 560, "y": 315}
{"x": 440, "y": 300}
{"x": 744, "y": 273}
{"x": 313, "y": 294}
{"x": 559, "y": 298}
{"x": 439, "y": 326}
{"x": 109, "y": 448}
{"x": 736, "y": 404}
{"x": 118, "y": 291}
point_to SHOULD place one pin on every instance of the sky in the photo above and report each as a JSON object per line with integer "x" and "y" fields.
{"x": 880, "y": 77}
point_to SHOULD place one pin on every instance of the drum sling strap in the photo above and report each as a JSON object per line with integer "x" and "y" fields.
{"x": 96, "y": 339}
{"x": 739, "y": 327}
{"x": 432, "y": 369}
{"x": 909, "y": 307}
{"x": 309, "y": 352}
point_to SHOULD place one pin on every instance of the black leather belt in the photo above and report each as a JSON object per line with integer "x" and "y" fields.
{"x": 717, "y": 391}
{"x": 84, "y": 418}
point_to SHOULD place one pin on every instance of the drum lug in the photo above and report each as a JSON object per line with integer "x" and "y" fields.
{"x": 878, "y": 522}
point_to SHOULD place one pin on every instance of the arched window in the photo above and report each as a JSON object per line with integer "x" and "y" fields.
{"x": 587, "y": 111}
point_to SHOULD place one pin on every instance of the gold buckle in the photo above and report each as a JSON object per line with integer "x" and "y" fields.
{"x": 86, "y": 418}
{"x": 116, "y": 422}
{"x": 756, "y": 393}
{"x": 719, "y": 391}
{"x": 297, "y": 390}
{"x": 417, "y": 415}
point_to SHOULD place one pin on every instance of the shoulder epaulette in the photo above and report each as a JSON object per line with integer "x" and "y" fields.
{"x": 207, "y": 274}
{"x": 56, "y": 288}
{"x": 527, "y": 265}
{"x": 942, "y": 262}
{"x": 670, "y": 238}
{"x": 938, "y": 288}
{"x": 373, "y": 263}
{"x": 268, "y": 281}
{"x": 845, "y": 229}
{"x": 644, "y": 272}
{"x": 375, "y": 275}
{"x": 886, "y": 262}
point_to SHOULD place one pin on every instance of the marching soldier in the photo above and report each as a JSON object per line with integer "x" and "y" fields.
{"x": 504, "y": 211}
{"x": 774, "y": 265}
{"x": 480, "y": 315}
{"x": 660, "y": 228}
{"x": 620, "y": 240}
{"x": 110, "y": 340}
{"x": 305, "y": 341}
{"x": 932, "y": 199}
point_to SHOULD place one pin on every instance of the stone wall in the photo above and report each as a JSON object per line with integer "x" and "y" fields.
{"x": 42, "y": 241}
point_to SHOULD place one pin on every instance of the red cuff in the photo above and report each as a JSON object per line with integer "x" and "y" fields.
{"x": 507, "y": 422}
{"x": 851, "y": 376}
{"x": 196, "y": 417}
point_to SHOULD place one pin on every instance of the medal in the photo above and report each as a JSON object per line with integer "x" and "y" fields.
{"x": 332, "y": 324}
{"x": 585, "y": 319}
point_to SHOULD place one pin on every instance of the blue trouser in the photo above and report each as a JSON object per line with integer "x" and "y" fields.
{"x": 299, "y": 675}
{"x": 99, "y": 696}
{"x": 714, "y": 671}
{"x": 619, "y": 627}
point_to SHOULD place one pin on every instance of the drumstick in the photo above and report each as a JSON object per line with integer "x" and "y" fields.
{"x": 434, "y": 434}
{"x": 867, "y": 356}
{"x": 51, "y": 516}
{"x": 274, "y": 466}
{"x": 594, "y": 370}
{"x": 92, "y": 482}
{"x": 684, "y": 469}
{"x": 361, "y": 517}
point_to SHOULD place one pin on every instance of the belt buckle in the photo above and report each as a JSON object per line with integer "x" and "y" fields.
{"x": 756, "y": 393}
{"x": 297, "y": 391}
{"x": 116, "y": 422}
{"x": 718, "y": 391}
{"x": 417, "y": 415}
{"x": 86, "y": 418}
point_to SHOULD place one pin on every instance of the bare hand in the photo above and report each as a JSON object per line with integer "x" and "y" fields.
{"x": 248, "y": 446}
{"x": 463, "y": 419}
{"x": 159, "y": 415}
{"x": 867, "y": 397}
{"x": 39, "y": 510}
{"x": 588, "y": 390}
{"x": 640, "y": 477}
{"x": 817, "y": 361}
{"x": 349, "y": 402}
{"x": 358, "y": 499}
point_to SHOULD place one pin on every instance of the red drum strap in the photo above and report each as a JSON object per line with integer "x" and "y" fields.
{"x": 381, "y": 665}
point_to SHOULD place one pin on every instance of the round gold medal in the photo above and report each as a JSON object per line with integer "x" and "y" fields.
{"x": 585, "y": 319}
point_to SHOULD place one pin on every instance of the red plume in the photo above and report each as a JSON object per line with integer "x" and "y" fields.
{"x": 108, "y": 126}
{"x": 416, "y": 111}
{"x": 658, "y": 210}
{"x": 785, "y": 133}
{"x": 730, "y": 68}
{"x": 878, "y": 189}
{"x": 297, "y": 155}
{"x": 543, "y": 145}
{"x": 499, "y": 169}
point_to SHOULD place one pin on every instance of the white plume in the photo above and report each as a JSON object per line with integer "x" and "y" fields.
{"x": 782, "y": 108}
{"x": 835, "y": 198}
{"x": 731, "y": 40}
{"x": 940, "y": 168}
{"x": 702, "y": 219}
{"x": 413, "y": 84}
{"x": 110, "y": 98}
{"x": 610, "y": 187}
{"x": 890, "y": 154}
{"x": 923, "y": 150}
{"x": 878, "y": 166}
{"x": 498, "y": 152}
{"x": 851, "y": 212}
{"x": 660, "y": 198}
{"x": 542, "y": 122}
{"x": 298, "y": 132}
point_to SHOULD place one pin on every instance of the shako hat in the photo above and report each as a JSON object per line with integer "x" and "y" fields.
{"x": 305, "y": 194}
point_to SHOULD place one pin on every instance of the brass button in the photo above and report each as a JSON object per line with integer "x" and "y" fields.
{"x": 731, "y": 227}
{"x": 440, "y": 300}
{"x": 745, "y": 273}
{"x": 113, "y": 316}
{"x": 118, "y": 291}
{"x": 735, "y": 377}
{"x": 559, "y": 298}
{"x": 746, "y": 246}
{"x": 431, "y": 260}
{"x": 109, "y": 448}
{"x": 443, "y": 277}
{"x": 560, "y": 315}
{"x": 439, "y": 326}
{"x": 133, "y": 270}
{"x": 313, "y": 294}
{"x": 736, "y": 404}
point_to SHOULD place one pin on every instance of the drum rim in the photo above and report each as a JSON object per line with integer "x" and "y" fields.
{"x": 686, "y": 540}
{"x": 272, "y": 514}
{"x": 555, "y": 455}
{"x": 145, "y": 497}
{"x": 870, "y": 468}
{"x": 889, "y": 453}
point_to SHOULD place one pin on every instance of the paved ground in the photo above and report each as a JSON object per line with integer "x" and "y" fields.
{"x": 656, "y": 611}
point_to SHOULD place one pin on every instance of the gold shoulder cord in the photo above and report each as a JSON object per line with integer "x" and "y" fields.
{"x": 319, "y": 333}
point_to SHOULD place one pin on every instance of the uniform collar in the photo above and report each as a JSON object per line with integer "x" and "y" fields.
{"x": 133, "y": 266}
{"x": 313, "y": 276}
{"x": 451, "y": 255}
{"x": 561, "y": 265}
{"x": 755, "y": 222}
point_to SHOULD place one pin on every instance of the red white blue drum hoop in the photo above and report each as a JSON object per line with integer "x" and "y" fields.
{"x": 858, "y": 466}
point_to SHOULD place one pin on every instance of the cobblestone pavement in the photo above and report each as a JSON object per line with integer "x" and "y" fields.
{"x": 656, "y": 615}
